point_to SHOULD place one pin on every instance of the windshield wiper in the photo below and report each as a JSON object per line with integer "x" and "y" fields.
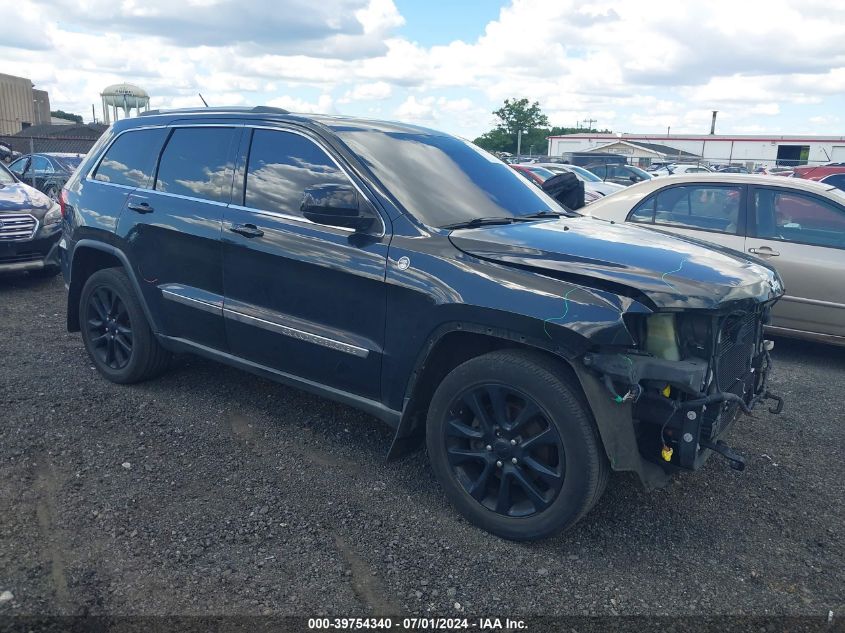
{"x": 549, "y": 214}
{"x": 468, "y": 224}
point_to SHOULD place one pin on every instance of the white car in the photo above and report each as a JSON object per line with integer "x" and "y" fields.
{"x": 681, "y": 168}
{"x": 795, "y": 225}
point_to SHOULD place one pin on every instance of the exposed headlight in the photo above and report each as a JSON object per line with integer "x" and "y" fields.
{"x": 53, "y": 216}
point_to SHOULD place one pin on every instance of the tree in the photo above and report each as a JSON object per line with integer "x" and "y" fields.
{"x": 517, "y": 115}
{"x": 495, "y": 141}
{"x": 520, "y": 114}
{"x": 61, "y": 114}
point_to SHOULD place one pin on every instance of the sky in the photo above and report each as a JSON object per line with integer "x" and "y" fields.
{"x": 768, "y": 67}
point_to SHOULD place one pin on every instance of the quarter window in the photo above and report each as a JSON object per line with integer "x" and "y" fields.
{"x": 281, "y": 166}
{"x": 709, "y": 207}
{"x": 795, "y": 217}
{"x": 196, "y": 163}
{"x": 130, "y": 159}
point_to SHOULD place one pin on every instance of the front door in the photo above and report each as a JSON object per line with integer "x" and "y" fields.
{"x": 302, "y": 298}
{"x": 803, "y": 236}
{"x": 712, "y": 212}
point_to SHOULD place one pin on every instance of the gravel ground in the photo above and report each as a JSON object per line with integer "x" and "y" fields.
{"x": 211, "y": 491}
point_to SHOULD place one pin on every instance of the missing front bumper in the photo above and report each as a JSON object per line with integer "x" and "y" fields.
{"x": 677, "y": 425}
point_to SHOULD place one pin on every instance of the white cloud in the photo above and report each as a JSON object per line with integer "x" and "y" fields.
{"x": 630, "y": 65}
{"x": 375, "y": 91}
{"x": 323, "y": 105}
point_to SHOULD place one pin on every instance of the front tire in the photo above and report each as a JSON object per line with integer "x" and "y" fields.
{"x": 513, "y": 446}
{"x": 115, "y": 331}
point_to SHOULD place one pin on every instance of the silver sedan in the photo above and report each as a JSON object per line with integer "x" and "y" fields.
{"x": 796, "y": 225}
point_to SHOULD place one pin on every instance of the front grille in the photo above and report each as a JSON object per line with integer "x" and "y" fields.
{"x": 17, "y": 227}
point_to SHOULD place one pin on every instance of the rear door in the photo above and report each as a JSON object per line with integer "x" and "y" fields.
{"x": 706, "y": 211}
{"x": 803, "y": 236}
{"x": 302, "y": 298}
{"x": 172, "y": 230}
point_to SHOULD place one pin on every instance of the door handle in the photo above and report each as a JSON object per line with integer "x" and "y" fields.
{"x": 247, "y": 230}
{"x": 140, "y": 207}
{"x": 763, "y": 251}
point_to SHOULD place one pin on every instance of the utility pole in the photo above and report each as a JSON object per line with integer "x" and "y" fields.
{"x": 589, "y": 123}
{"x": 93, "y": 114}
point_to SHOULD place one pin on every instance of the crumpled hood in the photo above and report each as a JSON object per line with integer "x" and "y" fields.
{"x": 20, "y": 197}
{"x": 673, "y": 272}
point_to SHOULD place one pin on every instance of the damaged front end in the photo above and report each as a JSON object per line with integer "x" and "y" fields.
{"x": 690, "y": 376}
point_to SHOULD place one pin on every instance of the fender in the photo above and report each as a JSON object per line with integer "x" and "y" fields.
{"x": 124, "y": 260}
{"x": 614, "y": 422}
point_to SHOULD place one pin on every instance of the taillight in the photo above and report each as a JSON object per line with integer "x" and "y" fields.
{"x": 63, "y": 201}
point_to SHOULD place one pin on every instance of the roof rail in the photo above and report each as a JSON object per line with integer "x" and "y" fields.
{"x": 224, "y": 109}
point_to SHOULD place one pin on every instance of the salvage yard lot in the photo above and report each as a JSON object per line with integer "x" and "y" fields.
{"x": 211, "y": 491}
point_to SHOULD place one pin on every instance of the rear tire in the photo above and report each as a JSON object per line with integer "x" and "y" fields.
{"x": 514, "y": 446}
{"x": 115, "y": 331}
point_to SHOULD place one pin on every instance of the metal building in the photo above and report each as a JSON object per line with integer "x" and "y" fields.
{"x": 746, "y": 150}
{"x": 21, "y": 105}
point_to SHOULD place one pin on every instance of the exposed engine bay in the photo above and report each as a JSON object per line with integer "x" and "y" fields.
{"x": 691, "y": 375}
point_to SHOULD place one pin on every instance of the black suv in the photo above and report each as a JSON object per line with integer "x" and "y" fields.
{"x": 411, "y": 274}
{"x": 30, "y": 228}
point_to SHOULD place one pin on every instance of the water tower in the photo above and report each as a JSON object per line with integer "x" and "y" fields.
{"x": 125, "y": 97}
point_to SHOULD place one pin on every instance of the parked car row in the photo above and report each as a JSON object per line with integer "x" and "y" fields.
{"x": 46, "y": 172}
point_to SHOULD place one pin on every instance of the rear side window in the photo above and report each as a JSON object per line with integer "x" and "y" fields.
{"x": 131, "y": 158}
{"x": 196, "y": 162}
{"x": 281, "y": 166}
{"x": 706, "y": 207}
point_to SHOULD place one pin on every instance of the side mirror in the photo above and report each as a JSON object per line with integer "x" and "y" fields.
{"x": 335, "y": 205}
{"x": 635, "y": 178}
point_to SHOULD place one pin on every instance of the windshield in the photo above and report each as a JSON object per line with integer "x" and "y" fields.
{"x": 70, "y": 163}
{"x": 544, "y": 173}
{"x": 443, "y": 180}
{"x": 642, "y": 174}
{"x": 584, "y": 173}
{"x": 6, "y": 177}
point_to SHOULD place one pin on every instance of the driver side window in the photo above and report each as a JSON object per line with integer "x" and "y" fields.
{"x": 796, "y": 217}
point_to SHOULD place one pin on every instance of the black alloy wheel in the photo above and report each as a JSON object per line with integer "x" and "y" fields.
{"x": 115, "y": 330}
{"x": 504, "y": 451}
{"x": 512, "y": 442}
{"x": 109, "y": 328}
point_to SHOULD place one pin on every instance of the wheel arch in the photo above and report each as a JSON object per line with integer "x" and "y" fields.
{"x": 455, "y": 343}
{"x": 447, "y": 347}
{"x": 88, "y": 257}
